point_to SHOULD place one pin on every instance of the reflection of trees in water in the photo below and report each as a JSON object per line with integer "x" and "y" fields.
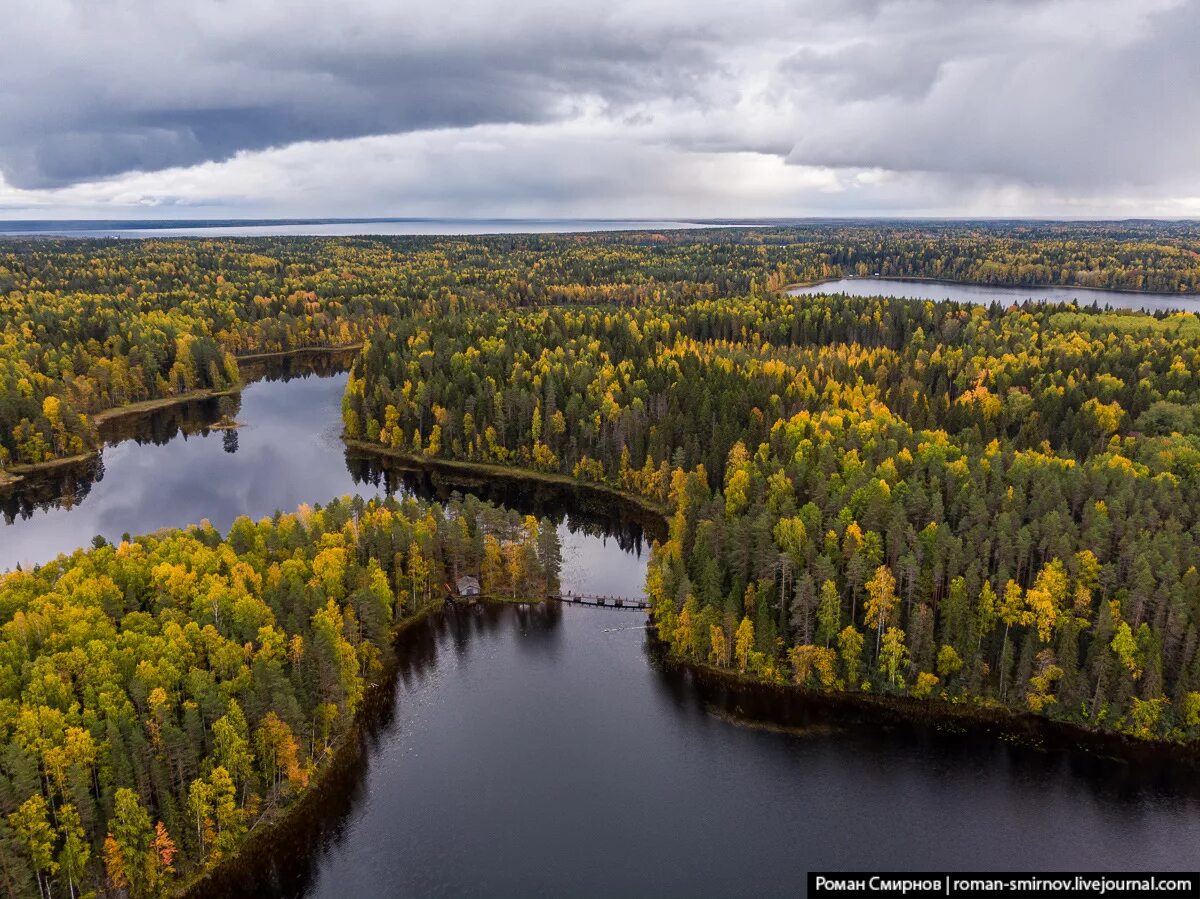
{"x": 590, "y": 512}
{"x": 285, "y": 860}
{"x": 1029, "y": 750}
{"x": 314, "y": 364}
{"x": 63, "y": 487}
{"x": 585, "y": 511}
{"x": 160, "y": 426}
{"x": 67, "y": 486}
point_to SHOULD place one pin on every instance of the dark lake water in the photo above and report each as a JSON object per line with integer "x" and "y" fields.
{"x": 984, "y": 294}
{"x": 549, "y": 752}
{"x": 527, "y": 751}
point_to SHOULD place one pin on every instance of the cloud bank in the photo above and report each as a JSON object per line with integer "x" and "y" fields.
{"x": 530, "y": 107}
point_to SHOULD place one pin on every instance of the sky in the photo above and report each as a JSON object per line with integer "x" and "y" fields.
{"x": 650, "y": 108}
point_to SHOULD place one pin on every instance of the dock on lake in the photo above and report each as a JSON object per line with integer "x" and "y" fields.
{"x": 606, "y": 602}
{"x": 467, "y": 588}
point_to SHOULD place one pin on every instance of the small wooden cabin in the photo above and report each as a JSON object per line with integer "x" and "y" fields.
{"x": 467, "y": 586}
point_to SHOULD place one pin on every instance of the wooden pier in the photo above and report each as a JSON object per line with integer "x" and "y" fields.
{"x": 603, "y": 602}
{"x": 596, "y": 600}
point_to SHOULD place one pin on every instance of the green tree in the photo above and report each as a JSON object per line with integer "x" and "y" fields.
{"x": 33, "y": 830}
{"x": 894, "y": 655}
{"x": 75, "y": 851}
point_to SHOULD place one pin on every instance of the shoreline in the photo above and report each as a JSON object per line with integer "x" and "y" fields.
{"x": 115, "y": 413}
{"x": 998, "y": 721}
{"x": 880, "y": 710}
{"x": 1026, "y": 730}
{"x": 13, "y": 475}
{"x": 299, "y": 351}
{"x": 494, "y": 470}
{"x": 918, "y": 279}
{"x": 222, "y": 878}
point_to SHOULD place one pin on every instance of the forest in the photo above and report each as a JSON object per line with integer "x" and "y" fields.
{"x": 987, "y": 505}
{"x": 90, "y": 326}
{"x": 163, "y": 696}
{"x": 994, "y": 505}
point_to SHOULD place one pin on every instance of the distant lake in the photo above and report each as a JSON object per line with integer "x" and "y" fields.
{"x": 333, "y": 227}
{"x": 984, "y": 294}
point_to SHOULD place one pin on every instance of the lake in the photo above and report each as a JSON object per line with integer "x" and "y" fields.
{"x": 331, "y": 227}
{"x": 167, "y": 469}
{"x": 984, "y": 294}
{"x": 550, "y": 750}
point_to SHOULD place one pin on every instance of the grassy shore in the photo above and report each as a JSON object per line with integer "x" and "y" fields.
{"x": 14, "y": 474}
{"x": 163, "y": 402}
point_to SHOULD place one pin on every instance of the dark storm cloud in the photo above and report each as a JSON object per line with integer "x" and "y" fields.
{"x": 156, "y": 97}
{"x": 553, "y": 105}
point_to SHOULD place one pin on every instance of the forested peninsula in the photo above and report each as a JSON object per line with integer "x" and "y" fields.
{"x": 994, "y": 506}
{"x": 991, "y": 505}
{"x": 95, "y": 325}
{"x": 165, "y": 695}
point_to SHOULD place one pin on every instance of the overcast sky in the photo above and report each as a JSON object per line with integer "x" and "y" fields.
{"x": 258, "y": 108}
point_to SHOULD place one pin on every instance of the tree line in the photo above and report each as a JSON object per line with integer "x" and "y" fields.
{"x": 87, "y": 326}
{"x": 163, "y": 696}
{"x": 996, "y": 505}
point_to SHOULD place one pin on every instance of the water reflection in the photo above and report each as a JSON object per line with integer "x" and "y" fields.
{"x": 169, "y": 467}
{"x": 535, "y": 752}
{"x": 287, "y": 862}
{"x": 985, "y": 294}
{"x": 591, "y": 512}
{"x": 68, "y": 486}
{"x": 550, "y": 750}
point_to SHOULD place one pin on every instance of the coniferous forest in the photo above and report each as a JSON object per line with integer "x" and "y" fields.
{"x": 986, "y": 505}
{"x": 990, "y": 505}
{"x": 91, "y": 326}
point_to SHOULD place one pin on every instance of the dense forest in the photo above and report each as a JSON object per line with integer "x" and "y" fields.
{"x": 975, "y": 504}
{"x": 161, "y": 697}
{"x": 86, "y": 326}
{"x": 933, "y": 499}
